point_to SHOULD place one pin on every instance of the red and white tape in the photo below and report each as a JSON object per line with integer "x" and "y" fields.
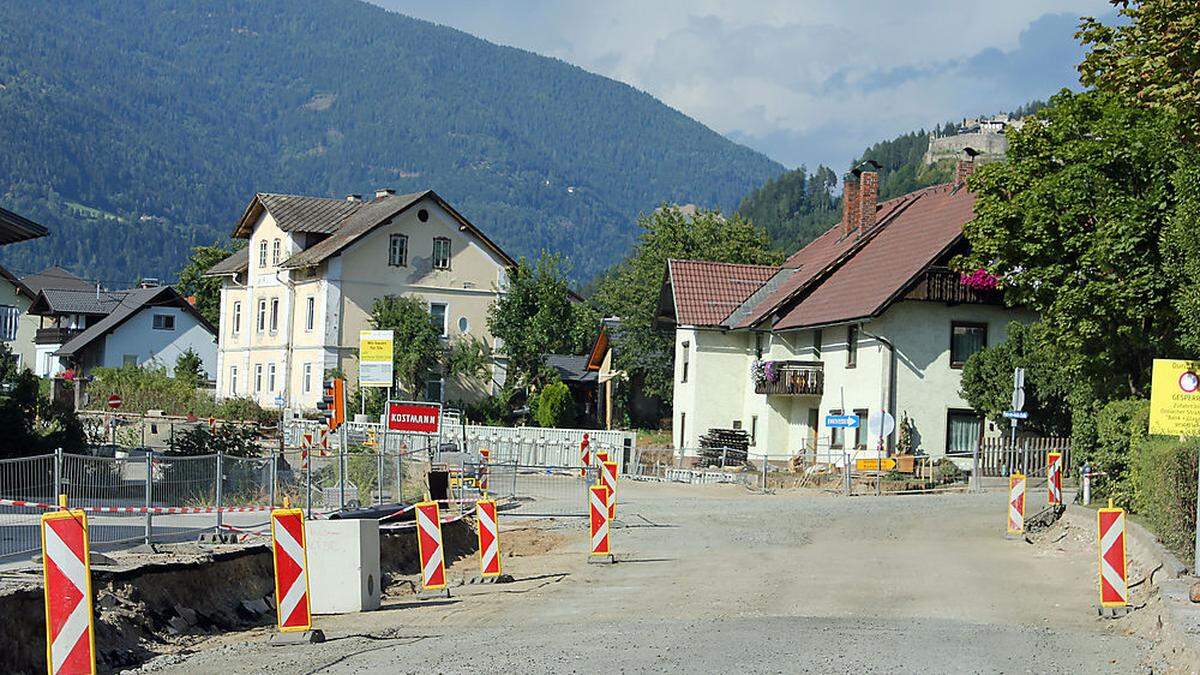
{"x": 138, "y": 509}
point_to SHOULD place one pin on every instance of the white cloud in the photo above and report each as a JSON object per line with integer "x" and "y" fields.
{"x": 811, "y": 82}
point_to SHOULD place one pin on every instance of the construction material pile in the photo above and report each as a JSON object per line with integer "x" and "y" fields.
{"x": 724, "y": 447}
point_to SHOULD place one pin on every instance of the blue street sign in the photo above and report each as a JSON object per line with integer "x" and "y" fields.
{"x": 1017, "y": 414}
{"x": 841, "y": 421}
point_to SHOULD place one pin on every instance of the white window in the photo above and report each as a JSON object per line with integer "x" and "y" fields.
{"x": 233, "y": 380}
{"x": 262, "y": 315}
{"x": 270, "y": 377}
{"x": 275, "y": 248}
{"x": 441, "y": 253}
{"x": 437, "y": 316}
{"x": 262, "y": 253}
{"x": 274, "y": 314}
{"x": 307, "y": 377}
{"x": 257, "y": 377}
{"x": 129, "y": 360}
{"x": 683, "y": 370}
{"x": 398, "y": 250}
{"x": 310, "y": 312}
{"x": 433, "y": 390}
{"x": 9, "y": 316}
{"x": 237, "y": 318}
{"x": 164, "y": 322}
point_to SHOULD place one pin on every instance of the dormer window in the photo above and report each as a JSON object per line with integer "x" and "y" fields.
{"x": 441, "y": 253}
{"x": 262, "y": 253}
{"x": 275, "y": 249}
{"x": 398, "y": 251}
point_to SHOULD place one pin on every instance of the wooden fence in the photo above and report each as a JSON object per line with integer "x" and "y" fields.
{"x": 1000, "y": 456}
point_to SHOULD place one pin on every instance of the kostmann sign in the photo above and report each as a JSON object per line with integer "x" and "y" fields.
{"x": 414, "y": 417}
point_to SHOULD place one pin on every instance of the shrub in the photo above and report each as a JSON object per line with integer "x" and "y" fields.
{"x": 1162, "y": 474}
{"x": 555, "y": 407}
{"x": 1119, "y": 425}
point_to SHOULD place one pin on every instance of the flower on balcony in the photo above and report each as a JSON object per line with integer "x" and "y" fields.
{"x": 771, "y": 371}
{"x": 758, "y": 371}
{"x": 980, "y": 280}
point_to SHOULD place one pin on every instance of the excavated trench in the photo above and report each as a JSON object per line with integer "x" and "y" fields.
{"x": 162, "y": 606}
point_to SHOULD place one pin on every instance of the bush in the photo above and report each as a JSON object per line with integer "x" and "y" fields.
{"x": 554, "y": 406}
{"x": 1162, "y": 474}
{"x": 232, "y": 439}
{"x": 151, "y": 388}
{"x": 1119, "y": 425}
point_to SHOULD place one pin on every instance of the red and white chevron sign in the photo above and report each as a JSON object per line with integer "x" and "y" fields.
{"x": 429, "y": 544}
{"x": 608, "y": 477}
{"x": 1114, "y": 589}
{"x": 1016, "y": 504}
{"x": 598, "y": 500}
{"x": 1054, "y": 477}
{"x": 66, "y": 570}
{"x": 291, "y": 570}
{"x": 489, "y": 538}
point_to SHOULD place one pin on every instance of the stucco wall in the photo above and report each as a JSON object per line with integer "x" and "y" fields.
{"x": 22, "y": 346}
{"x": 137, "y": 336}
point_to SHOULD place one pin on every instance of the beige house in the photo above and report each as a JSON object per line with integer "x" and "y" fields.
{"x": 295, "y": 298}
{"x": 17, "y": 327}
{"x": 866, "y": 318}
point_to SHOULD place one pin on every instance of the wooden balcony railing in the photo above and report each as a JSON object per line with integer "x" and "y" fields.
{"x": 794, "y": 378}
{"x": 942, "y": 284}
{"x": 55, "y": 336}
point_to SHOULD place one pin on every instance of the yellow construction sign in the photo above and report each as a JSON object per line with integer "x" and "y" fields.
{"x": 1175, "y": 398}
{"x": 889, "y": 464}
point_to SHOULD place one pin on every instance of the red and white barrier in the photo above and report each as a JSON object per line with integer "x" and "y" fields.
{"x": 598, "y": 505}
{"x": 291, "y": 570}
{"x": 485, "y": 457}
{"x": 608, "y": 477}
{"x": 489, "y": 538}
{"x": 1114, "y": 586}
{"x": 66, "y": 570}
{"x": 1016, "y": 504}
{"x": 585, "y": 456}
{"x": 1054, "y": 478}
{"x": 429, "y": 544}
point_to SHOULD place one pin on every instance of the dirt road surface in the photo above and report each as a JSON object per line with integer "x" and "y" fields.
{"x": 715, "y": 579}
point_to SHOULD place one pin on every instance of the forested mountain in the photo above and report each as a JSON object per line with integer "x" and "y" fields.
{"x": 136, "y": 129}
{"x": 797, "y": 206}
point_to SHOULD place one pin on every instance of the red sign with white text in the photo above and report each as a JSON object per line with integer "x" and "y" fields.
{"x": 414, "y": 417}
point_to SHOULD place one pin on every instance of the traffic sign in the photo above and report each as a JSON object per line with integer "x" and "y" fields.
{"x": 114, "y": 401}
{"x": 67, "y": 581}
{"x": 880, "y": 424}
{"x": 841, "y": 421}
{"x": 1018, "y": 395}
{"x": 1017, "y": 414}
{"x": 290, "y": 551}
{"x": 414, "y": 417}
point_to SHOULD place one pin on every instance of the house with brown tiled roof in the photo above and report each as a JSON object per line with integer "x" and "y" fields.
{"x": 866, "y": 318}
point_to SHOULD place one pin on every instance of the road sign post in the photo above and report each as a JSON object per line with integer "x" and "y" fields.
{"x": 1175, "y": 410}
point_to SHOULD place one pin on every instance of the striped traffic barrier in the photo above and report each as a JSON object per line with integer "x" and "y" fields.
{"x": 601, "y": 456}
{"x": 1016, "y": 505}
{"x": 601, "y": 544}
{"x": 585, "y": 456}
{"x": 1114, "y": 586}
{"x": 67, "y": 576}
{"x": 608, "y": 474}
{"x": 429, "y": 545}
{"x": 489, "y": 538}
{"x": 289, "y": 548}
{"x": 485, "y": 457}
{"x": 1054, "y": 478}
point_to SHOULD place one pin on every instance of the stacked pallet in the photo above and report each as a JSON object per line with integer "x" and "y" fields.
{"x": 724, "y": 447}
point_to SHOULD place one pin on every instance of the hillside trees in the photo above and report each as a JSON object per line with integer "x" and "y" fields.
{"x": 207, "y": 290}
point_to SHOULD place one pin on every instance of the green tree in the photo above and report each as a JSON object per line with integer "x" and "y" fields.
{"x": 189, "y": 367}
{"x": 206, "y": 289}
{"x": 535, "y": 316}
{"x": 553, "y": 406}
{"x": 417, "y": 346}
{"x": 987, "y": 381}
{"x": 631, "y": 289}
{"x": 34, "y": 424}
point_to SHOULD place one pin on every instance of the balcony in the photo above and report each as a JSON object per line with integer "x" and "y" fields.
{"x": 790, "y": 378}
{"x": 942, "y": 284}
{"x": 55, "y": 336}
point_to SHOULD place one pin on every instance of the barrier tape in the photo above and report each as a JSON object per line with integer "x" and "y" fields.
{"x": 137, "y": 509}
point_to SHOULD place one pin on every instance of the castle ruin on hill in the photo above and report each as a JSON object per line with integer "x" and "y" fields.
{"x": 984, "y": 134}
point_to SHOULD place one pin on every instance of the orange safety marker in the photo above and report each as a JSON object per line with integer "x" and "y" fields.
{"x": 292, "y": 607}
{"x": 429, "y": 544}
{"x": 586, "y": 456}
{"x": 1016, "y": 504}
{"x": 601, "y": 546}
{"x": 1114, "y": 588}
{"x": 489, "y": 538}
{"x": 67, "y": 576}
{"x": 608, "y": 477}
{"x": 1054, "y": 478}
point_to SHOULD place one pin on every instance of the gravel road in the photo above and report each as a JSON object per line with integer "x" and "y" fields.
{"x": 715, "y": 579}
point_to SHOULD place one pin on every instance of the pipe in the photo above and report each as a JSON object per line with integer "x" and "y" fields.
{"x": 888, "y": 395}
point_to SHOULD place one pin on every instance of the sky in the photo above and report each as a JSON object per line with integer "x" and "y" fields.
{"x": 805, "y": 82}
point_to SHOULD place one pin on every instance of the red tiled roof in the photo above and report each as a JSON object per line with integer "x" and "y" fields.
{"x": 927, "y": 224}
{"x": 706, "y": 292}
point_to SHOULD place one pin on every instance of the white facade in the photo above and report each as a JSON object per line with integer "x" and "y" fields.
{"x": 143, "y": 339}
{"x": 719, "y": 391}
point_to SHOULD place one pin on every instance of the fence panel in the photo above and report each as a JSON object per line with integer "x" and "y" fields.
{"x": 998, "y": 457}
{"x": 29, "y": 479}
{"x": 183, "y": 481}
{"x": 112, "y": 482}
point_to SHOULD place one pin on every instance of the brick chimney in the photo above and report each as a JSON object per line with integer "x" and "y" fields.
{"x": 965, "y": 166}
{"x": 868, "y": 195}
{"x": 850, "y": 203}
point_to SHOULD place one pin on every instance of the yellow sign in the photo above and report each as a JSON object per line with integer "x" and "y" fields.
{"x": 375, "y": 358}
{"x": 873, "y": 464}
{"x": 1175, "y": 398}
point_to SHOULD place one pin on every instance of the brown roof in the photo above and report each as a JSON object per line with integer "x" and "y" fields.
{"x": 296, "y": 213}
{"x": 901, "y": 249}
{"x": 15, "y": 227}
{"x": 236, "y": 263}
{"x": 706, "y": 292}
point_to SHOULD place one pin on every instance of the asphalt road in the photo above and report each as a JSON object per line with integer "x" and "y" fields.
{"x": 715, "y": 579}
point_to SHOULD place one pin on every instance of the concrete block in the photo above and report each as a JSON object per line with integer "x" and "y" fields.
{"x": 343, "y": 562}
